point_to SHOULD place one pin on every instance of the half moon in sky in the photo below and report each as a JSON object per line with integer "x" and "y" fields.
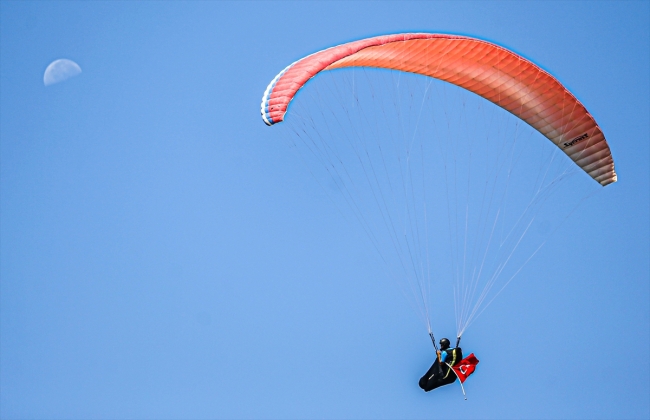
{"x": 60, "y": 70}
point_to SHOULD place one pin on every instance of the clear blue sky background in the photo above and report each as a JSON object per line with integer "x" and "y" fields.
{"x": 163, "y": 255}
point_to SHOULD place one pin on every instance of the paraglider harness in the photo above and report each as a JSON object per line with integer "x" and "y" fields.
{"x": 440, "y": 373}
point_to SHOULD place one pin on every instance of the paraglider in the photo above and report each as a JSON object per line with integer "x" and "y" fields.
{"x": 392, "y": 155}
{"x": 441, "y": 372}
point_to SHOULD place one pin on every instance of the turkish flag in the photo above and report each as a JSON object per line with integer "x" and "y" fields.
{"x": 465, "y": 367}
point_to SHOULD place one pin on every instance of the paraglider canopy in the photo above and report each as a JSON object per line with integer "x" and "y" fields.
{"x": 491, "y": 71}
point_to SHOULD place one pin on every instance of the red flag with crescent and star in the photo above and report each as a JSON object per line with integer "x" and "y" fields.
{"x": 465, "y": 367}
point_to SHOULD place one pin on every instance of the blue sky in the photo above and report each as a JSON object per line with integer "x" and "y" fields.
{"x": 164, "y": 255}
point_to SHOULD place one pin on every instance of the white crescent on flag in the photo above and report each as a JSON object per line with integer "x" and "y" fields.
{"x": 465, "y": 367}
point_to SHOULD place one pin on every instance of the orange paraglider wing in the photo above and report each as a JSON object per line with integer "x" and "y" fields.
{"x": 493, "y": 72}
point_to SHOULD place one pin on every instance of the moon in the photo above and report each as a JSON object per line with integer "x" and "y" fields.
{"x": 60, "y": 70}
